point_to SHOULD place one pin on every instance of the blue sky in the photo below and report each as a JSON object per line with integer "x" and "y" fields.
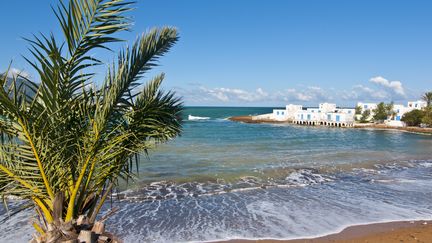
{"x": 269, "y": 53}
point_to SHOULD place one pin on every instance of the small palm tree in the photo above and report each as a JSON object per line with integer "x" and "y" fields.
{"x": 428, "y": 98}
{"x": 65, "y": 143}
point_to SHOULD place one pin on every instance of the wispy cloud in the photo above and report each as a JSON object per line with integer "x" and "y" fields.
{"x": 394, "y": 86}
{"x": 383, "y": 90}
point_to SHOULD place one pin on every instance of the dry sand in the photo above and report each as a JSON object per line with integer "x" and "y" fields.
{"x": 404, "y": 231}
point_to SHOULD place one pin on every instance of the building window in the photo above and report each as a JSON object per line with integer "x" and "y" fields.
{"x": 365, "y": 106}
{"x": 329, "y": 117}
{"x": 283, "y": 113}
{"x": 277, "y": 113}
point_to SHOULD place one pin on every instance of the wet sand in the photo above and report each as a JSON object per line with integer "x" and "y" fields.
{"x": 403, "y": 231}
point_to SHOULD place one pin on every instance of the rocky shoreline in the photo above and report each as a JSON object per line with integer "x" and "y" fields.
{"x": 253, "y": 119}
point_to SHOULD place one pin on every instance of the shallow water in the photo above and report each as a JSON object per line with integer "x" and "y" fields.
{"x": 224, "y": 180}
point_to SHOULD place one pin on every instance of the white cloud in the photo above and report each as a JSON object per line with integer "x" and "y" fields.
{"x": 229, "y": 94}
{"x": 384, "y": 90}
{"x": 394, "y": 86}
{"x": 364, "y": 93}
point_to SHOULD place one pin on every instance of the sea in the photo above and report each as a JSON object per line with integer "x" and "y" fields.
{"x": 225, "y": 180}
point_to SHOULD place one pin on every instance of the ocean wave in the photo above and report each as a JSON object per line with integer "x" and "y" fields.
{"x": 197, "y": 118}
{"x": 172, "y": 190}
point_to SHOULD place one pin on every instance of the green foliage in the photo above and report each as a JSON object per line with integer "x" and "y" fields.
{"x": 389, "y": 110}
{"x": 70, "y": 141}
{"x": 358, "y": 110}
{"x": 380, "y": 112}
{"x": 413, "y": 118}
{"x": 365, "y": 116}
{"x": 427, "y": 118}
{"x": 428, "y": 98}
{"x": 383, "y": 112}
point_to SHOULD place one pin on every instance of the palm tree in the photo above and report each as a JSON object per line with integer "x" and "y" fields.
{"x": 428, "y": 98}
{"x": 65, "y": 146}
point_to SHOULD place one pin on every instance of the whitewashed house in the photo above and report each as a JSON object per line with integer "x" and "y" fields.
{"x": 398, "y": 109}
{"x": 327, "y": 107}
{"x": 287, "y": 114}
{"x": 367, "y": 106}
{"x": 279, "y": 114}
{"x": 327, "y": 114}
{"x": 419, "y": 104}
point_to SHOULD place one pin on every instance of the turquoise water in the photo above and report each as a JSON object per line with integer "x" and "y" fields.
{"x": 226, "y": 180}
{"x": 216, "y": 148}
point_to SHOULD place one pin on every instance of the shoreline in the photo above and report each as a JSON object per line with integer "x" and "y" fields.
{"x": 365, "y": 126}
{"x": 386, "y": 232}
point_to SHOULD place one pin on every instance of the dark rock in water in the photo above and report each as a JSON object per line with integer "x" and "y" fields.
{"x": 164, "y": 191}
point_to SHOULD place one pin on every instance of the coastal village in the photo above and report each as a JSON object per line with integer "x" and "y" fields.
{"x": 329, "y": 114}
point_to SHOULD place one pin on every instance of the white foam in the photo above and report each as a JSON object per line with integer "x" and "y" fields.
{"x": 196, "y": 118}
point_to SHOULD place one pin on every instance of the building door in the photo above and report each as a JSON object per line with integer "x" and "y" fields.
{"x": 337, "y": 118}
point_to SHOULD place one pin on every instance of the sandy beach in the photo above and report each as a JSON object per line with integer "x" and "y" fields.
{"x": 402, "y": 231}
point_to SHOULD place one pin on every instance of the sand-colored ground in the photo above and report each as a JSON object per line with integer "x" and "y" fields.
{"x": 405, "y": 231}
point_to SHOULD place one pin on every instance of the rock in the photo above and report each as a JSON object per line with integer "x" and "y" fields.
{"x": 98, "y": 228}
{"x": 82, "y": 220}
{"x": 86, "y": 236}
{"x": 104, "y": 239}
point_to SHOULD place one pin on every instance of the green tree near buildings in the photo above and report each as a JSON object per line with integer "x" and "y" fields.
{"x": 390, "y": 110}
{"x": 414, "y": 117}
{"x": 428, "y": 98}
{"x": 383, "y": 112}
{"x": 427, "y": 117}
{"x": 380, "y": 112}
{"x": 365, "y": 116}
{"x": 358, "y": 110}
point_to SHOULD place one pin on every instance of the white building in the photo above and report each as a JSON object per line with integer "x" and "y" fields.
{"x": 367, "y": 106}
{"x": 279, "y": 115}
{"x": 326, "y": 114}
{"x": 398, "y": 109}
{"x": 419, "y": 104}
{"x": 286, "y": 114}
{"x": 327, "y": 107}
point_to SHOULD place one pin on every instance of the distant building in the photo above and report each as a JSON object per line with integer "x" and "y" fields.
{"x": 419, "y": 104}
{"x": 287, "y": 113}
{"x": 328, "y": 114}
{"x": 325, "y": 114}
{"x": 398, "y": 109}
